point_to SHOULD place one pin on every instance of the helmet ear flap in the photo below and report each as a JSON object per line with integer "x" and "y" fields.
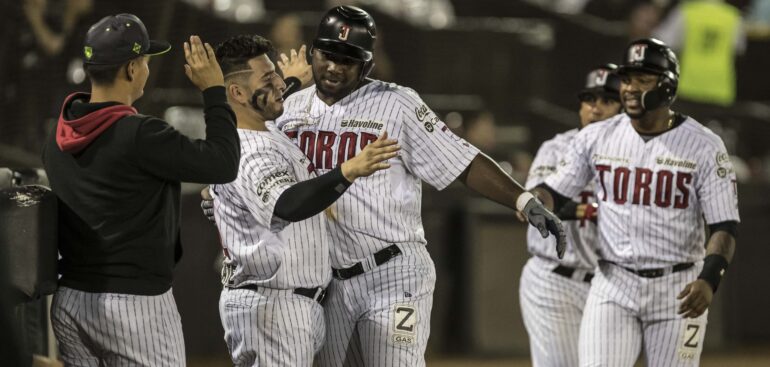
{"x": 663, "y": 94}
{"x": 366, "y": 69}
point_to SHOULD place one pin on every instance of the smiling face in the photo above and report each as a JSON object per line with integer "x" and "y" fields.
{"x": 335, "y": 75}
{"x": 632, "y": 86}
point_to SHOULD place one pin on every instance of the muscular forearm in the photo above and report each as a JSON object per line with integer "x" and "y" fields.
{"x": 721, "y": 243}
{"x": 484, "y": 176}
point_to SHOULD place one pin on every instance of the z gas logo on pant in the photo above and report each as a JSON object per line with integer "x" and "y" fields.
{"x": 404, "y": 324}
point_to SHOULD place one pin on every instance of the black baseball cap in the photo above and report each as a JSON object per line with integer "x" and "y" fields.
{"x": 116, "y": 39}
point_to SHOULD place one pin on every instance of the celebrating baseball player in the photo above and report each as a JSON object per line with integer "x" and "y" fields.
{"x": 275, "y": 241}
{"x": 117, "y": 175}
{"x": 553, "y": 291}
{"x": 379, "y": 302}
{"x": 658, "y": 175}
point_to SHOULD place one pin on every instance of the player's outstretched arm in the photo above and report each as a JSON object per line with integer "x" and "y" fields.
{"x": 297, "y": 73}
{"x": 308, "y": 198}
{"x": 697, "y": 296}
{"x": 484, "y": 176}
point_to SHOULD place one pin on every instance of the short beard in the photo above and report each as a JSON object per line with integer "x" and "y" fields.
{"x": 637, "y": 115}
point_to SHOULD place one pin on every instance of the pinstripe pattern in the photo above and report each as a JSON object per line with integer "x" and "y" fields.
{"x": 626, "y": 314}
{"x": 653, "y": 195}
{"x": 581, "y": 240}
{"x": 552, "y": 307}
{"x": 669, "y": 235}
{"x": 271, "y": 327}
{"x": 264, "y": 249}
{"x": 377, "y": 339}
{"x": 364, "y": 313}
{"x": 111, "y": 329}
{"x": 383, "y": 208}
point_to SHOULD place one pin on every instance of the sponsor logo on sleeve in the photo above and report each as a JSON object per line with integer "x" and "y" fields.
{"x": 271, "y": 182}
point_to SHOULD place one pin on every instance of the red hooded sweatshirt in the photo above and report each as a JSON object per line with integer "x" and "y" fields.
{"x": 72, "y": 136}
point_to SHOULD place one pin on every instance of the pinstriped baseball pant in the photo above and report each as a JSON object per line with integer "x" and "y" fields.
{"x": 381, "y": 317}
{"x": 271, "y": 327}
{"x": 552, "y": 307}
{"x": 626, "y": 313}
{"x": 112, "y": 329}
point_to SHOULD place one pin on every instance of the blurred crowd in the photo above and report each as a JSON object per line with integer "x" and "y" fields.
{"x": 40, "y": 36}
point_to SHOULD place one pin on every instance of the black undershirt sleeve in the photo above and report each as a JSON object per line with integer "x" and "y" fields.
{"x": 559, "y": 200}
{"x": 308, "y": 198}
{"x": 729, "y": 226}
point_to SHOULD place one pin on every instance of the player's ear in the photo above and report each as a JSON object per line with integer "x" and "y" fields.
{"x": 236, "y": 93}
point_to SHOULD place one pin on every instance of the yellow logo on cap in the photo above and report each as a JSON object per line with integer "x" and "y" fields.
{"x": 137, "y": 48}
{"x": 88, "y": 51}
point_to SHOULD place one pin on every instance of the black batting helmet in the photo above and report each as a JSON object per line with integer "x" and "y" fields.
{"x": 649, "y": 55}
{"x": 602, "y": 80}
{"x": 348, "y": 31}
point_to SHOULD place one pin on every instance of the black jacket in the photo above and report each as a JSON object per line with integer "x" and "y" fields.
{"x": 119, "y": 193}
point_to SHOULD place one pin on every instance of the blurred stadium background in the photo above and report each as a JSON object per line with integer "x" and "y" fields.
{"x": 502, "y": 73}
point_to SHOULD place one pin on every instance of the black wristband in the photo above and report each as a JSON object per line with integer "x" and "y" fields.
{"x": 714, "y": 267}
{"x": 568, "y": 211}
{"x": 293, "y": 84}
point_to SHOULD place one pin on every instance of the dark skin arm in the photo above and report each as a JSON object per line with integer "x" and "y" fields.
{"x": 484, "y": 176}
{"x": 696, "y": 297}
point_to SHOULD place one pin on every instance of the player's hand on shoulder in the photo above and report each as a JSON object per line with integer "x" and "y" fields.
{"x": 202, "y": 67}
{"x": 545, "y": 221}
{"x": 207, "y": 203}
{"x": 296, "y": 66}
{"x": 696, "y": 298}
{"x": 371, "y": 159}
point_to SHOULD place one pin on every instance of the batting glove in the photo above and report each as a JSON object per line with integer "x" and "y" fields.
{"x": 543, "y": 219}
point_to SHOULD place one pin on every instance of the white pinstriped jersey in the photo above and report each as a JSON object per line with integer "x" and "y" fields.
{"x": 384, "y": 208}
{"x": 581, "y": 239}
{"x": 652, "y": 195}
{"x": 266, "y": 250}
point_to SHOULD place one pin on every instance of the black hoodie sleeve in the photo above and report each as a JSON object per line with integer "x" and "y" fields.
{"x": 165, "y": 152}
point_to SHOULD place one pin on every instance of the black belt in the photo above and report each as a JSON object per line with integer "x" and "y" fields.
{"x": 317, "y": 294}
{"x": 380, "y": 257}
{"x": 658, "y": 272}
{"x": 566, "y": 271}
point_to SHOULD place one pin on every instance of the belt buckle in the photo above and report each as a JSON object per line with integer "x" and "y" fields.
{"x": 320, "y": 294}
{"x": 651, "y": 273}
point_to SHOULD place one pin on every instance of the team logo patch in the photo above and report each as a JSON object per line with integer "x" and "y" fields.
{"x": 404, "y": 325}
{"x": 344, "y": 32}
{"x": 690, "y": 340}
{"x": 597, "y": 78}
{"x": 137, "y": 48}
{"x": 89, "y": 52}
{"x": 723, "y": 159}
{"x": 423, "y": 114}
{"x": 636, "y": 53}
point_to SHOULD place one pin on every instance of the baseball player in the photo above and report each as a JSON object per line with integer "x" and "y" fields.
{"x": 117, "y": 175}
{"x": 275, "y": 241}
{"x": 553, "y": 292}
{"x": 380, "y": 298}
{"x": 658, "y": 175}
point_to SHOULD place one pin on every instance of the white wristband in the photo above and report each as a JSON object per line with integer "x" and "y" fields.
{"x": 523, "y": 199}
